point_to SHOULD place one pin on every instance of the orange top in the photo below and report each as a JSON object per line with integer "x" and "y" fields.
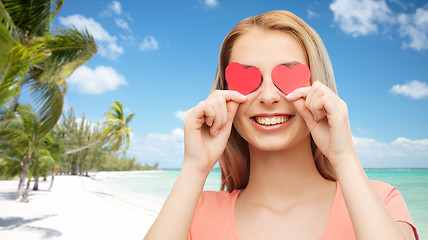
{"x": 215, "y": 214}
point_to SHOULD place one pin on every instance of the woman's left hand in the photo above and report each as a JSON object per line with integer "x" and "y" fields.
{"x": 326, "y": 116}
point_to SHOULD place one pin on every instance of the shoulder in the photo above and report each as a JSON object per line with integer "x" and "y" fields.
{"x": 211, "y": 201}
{"x": 390, "y": 196}
{"x": 213, "y": 215}
{"x": 395, "y": 203}
{"x": 213, "y": 196}
{"x": 382, "y": 188}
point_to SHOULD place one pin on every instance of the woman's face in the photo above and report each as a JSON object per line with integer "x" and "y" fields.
{"x": 267, "y": 120}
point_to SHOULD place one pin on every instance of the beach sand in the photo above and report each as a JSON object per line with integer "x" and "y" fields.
{"x": 76, "y": 208}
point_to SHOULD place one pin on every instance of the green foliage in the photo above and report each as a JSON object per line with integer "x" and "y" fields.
{"x": 75, "y": 133}
{"x": 116, "y": 127}
{"x": 17, "y": 68}
{"x": 37, "y": 57}
{"x": 69, "y": 49}
{"x": 32, "y": 18}
{"x": 6, "y": 45}
{"x": 31, "y": 55}
{"x": 10, "y": 167}
{"x": 117, "y": 163}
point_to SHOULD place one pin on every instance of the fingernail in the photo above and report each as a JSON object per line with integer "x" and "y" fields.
{"x": 215, "y": 134}
{"x": 290, "y": 95}
{"x": 243, "y": 96}
{"x": 315, "y": 118}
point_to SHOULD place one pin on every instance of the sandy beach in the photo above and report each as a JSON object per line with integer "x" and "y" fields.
{"x": 76, "y": 208}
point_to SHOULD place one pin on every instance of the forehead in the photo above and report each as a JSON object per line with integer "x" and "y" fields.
{"x": 265, "y": 49}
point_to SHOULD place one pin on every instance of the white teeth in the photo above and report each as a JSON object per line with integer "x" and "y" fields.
{"x": 271, "y": 121}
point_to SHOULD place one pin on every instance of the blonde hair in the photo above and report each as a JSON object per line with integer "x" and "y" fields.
{"x": 235, "y": 161}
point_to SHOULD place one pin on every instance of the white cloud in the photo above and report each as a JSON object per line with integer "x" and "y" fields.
{"x": 402, "y": 152}
{"x": 363, "y": 17}
{"x": 403, "y": 5}
{"x": 211, "y": 3}
{"x": 360, "y": 17}
{"x": 94, "y": 27}
{"x": 415, "y": 26}
{"x": 110, "y": 50}
{"x": 166, "y": 149}
{"x": 413, "y": 89}
{"x": 180, "y": 114}
{"x": 363, "y": 130}
{"x": 116, "y": 7}
{"x": 95, "y": 81}
{"x": 106, "y": 43}
{"x": 149, "y": 43}
{"x": 122, "y": 24}
{"x": 312, "y": 14}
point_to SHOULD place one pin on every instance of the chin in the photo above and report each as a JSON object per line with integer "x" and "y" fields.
{"x": 274, "y": 143}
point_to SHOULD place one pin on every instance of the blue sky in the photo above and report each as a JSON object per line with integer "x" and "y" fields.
{"x": 159, "y": 59}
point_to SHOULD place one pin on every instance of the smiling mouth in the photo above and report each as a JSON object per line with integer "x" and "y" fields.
{"x": 271, "y": 121}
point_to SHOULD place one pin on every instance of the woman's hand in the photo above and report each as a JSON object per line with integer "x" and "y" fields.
{"x": 326, "y": 116}
{"x": 207, "y": 128}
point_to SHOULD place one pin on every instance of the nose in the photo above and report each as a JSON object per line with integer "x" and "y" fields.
{"x": 269, "y": 93}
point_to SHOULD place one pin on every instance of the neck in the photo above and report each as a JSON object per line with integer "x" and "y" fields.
{"x": 290, "y": 173}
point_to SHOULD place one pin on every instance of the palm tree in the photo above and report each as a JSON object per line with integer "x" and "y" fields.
{"x": 46, "y": 159}
{"x": 54, "y": 148}
{"x": 33, "y": 55}
{"x": 116, "y": 132}
{"x": 21, "y": 136}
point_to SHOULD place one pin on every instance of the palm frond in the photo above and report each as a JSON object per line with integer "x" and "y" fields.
{"x": 56, "y": 7}
{"x": 29, "y": 120}
{"x": 53, "y": 145}
{"x": 32, "y": 18}
{"x": 69, "y": 50}
{"x": 6, "y": 45}
{"x": 49, "y": 102}
{"x": 18, "y": 67}
{"x": 129, "y": 118}
{"x": 10, "y": 167}
{"x": 7, "y": 21}
{"x": 13, "y": 136}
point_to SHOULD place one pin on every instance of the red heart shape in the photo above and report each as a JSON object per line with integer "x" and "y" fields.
{"x": 242, "y": 80}
{"x": 288, "y": 79}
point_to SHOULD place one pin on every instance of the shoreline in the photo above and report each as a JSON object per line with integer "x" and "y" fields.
{"x": 76, "y": 208}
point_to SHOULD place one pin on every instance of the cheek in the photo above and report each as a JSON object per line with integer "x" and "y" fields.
{"x": 241, "y": 119}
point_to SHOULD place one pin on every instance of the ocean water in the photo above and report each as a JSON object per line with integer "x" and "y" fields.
{"x": 412, "y": 183}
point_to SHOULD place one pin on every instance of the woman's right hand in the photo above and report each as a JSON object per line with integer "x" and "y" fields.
{"x": 207, "y": 128}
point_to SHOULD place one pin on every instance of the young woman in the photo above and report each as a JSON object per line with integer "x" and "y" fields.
{"x": 288, "y": 161}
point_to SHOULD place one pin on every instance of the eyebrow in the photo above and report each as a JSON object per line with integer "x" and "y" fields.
{"x": 288, "y": 64}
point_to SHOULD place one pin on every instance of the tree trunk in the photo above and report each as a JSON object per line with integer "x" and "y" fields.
{"x": 26, "y": 161}
{"x": 81, "y": 170}
{"x": 88, "y": 146}
{"x": 53, "y": 178}
{"x": 27, "y": 189}
{"x": 36, "y": 182}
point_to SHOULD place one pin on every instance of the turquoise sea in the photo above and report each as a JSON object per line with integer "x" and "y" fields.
{"x": 412, "y": 183}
